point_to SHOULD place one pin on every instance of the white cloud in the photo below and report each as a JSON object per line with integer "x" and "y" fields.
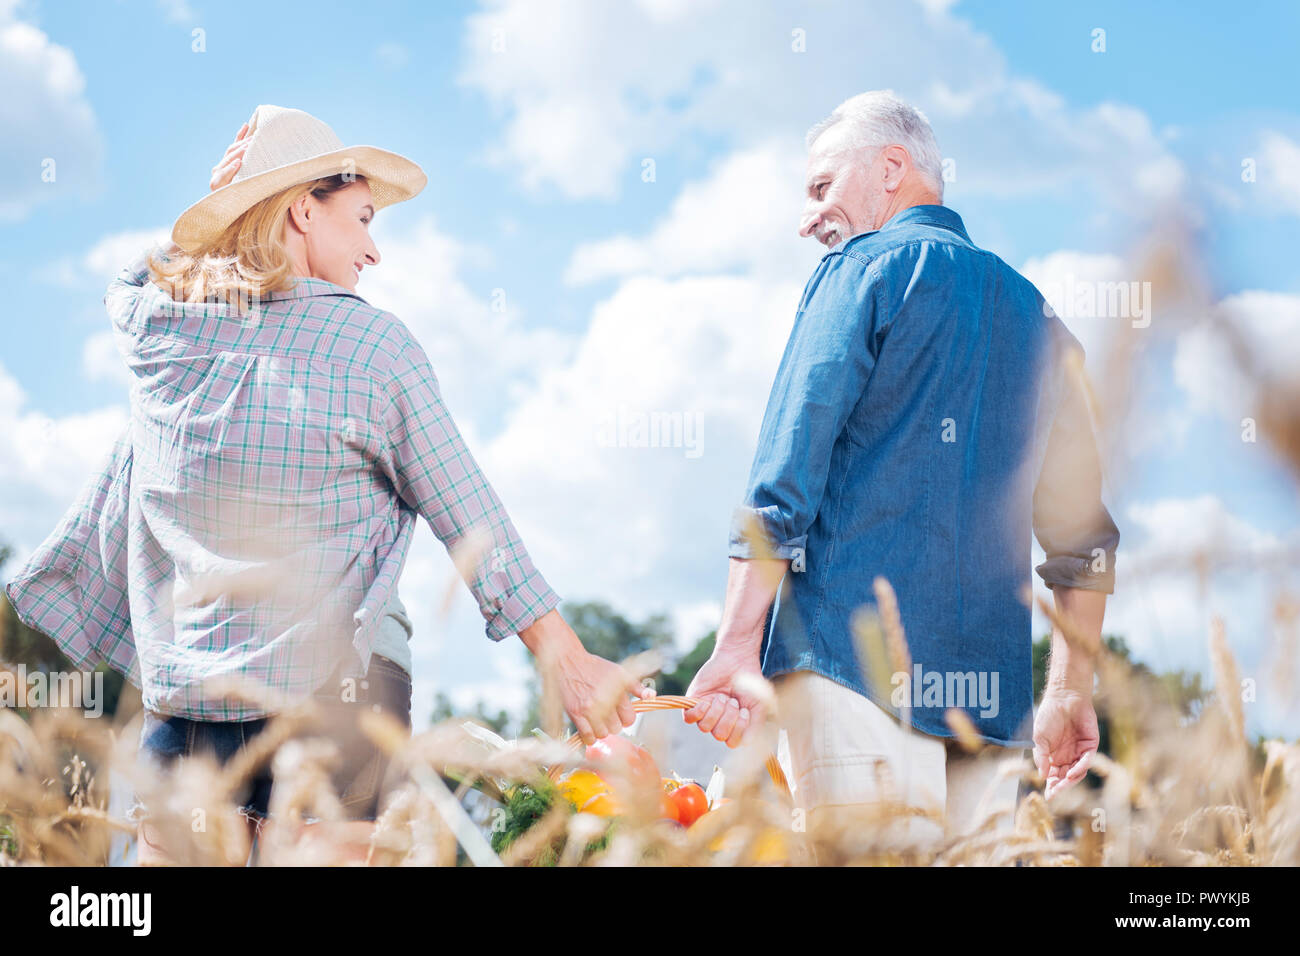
{"x": 107, "y": 256}
{"x": 50, "y": 128}
{"x": 507, "y": 691}
{"x": 693, "y": 620}
{"x": 484, "y": 354}
{"x": 99, "y": 264}
{"x": 1279, "y": 169}
{"x": 645, "y": 527}
{"x": 101, "y": 361}
{"x": 1174, "y": 529}
{"x": 1009, "y": 135}
{"x": 1268, "y": 325}
{"x": 46, "y": 460}
{"x": 716, "y": 225}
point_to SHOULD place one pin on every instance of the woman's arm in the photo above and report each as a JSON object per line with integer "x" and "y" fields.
{"x": 432, "y": 469}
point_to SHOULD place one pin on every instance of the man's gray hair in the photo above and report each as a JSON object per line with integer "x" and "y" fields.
{"x": 879, "y": 118}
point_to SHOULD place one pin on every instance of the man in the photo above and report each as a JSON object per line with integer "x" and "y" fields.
{"x": 927, "y": 414}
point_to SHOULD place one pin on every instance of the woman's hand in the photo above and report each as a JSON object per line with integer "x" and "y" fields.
{"x": 594, "y": 692}
{"x": 224, "y": 171}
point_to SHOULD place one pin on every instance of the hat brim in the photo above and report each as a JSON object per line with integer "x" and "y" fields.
{"x": 392, "y": 178}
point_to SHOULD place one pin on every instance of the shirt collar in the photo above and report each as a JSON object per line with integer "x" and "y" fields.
{"x": 931, "y": 215}
{"x": 305, "y": 287}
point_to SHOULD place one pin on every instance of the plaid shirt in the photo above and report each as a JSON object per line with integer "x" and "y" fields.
{"x": 253, "y": 519}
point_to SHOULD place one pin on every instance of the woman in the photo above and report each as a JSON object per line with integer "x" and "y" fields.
{"x": 285, "y": 437}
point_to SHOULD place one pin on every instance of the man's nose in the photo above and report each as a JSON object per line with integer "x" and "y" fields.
{"x": 372, "y": 256}
{"x": 808, "y": 224}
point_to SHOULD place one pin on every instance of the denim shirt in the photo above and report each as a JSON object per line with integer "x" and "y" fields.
{"x": 928, "y": 415}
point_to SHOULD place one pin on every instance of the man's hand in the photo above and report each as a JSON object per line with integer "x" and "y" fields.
{"x": 1065, "y": 738}
{"x": 728, "y": 708}
{"x": 1065, "y": 728}
{"x": 725, "y": 710}
{"x": 593, "y": 691}
{"x": 224, "y": 171}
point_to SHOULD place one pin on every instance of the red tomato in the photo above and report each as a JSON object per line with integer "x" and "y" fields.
{"x": 621, "y": 755}
{"x": 691, "y": 803}
{"x": 668, "y": 808}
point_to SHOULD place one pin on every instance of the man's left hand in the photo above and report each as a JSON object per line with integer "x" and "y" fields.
{"x": 1065, "y": 739}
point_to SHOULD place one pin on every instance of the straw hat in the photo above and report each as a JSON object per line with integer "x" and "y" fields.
{"x": 289, "y": 147}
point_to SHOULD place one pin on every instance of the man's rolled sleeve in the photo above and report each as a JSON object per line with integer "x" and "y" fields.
{"x": 1077, "y": 534}
{"x": 760, "y": 533}
{"x": 430, "y": 466}
{"x": 823, "y": 373}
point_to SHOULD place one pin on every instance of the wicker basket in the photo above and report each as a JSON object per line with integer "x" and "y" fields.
{"x": 671, "y": 702}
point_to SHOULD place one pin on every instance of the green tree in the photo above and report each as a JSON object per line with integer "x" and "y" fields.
{"x": 679, "y": 678}
{"x": 608, "y": 634}
{"x": 499, "y": 722}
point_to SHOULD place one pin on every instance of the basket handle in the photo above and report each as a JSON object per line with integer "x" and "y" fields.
{"x": 674, "y": 702}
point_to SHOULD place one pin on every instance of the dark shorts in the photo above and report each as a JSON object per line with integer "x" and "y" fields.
{"x": 359, "y": 776}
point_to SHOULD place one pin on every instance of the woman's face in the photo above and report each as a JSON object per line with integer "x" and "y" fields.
{"x": 332, "y": 236}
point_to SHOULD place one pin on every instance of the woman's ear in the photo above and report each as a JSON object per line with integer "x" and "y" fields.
{"x": 300, "y": 213}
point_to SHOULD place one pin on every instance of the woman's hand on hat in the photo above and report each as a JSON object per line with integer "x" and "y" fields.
{"x": 224, "y": 171}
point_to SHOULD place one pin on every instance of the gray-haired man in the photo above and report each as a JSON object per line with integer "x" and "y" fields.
{"x": 927, "y": 415}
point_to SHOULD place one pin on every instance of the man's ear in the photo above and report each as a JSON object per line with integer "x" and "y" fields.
{"x": 897, "y": 164}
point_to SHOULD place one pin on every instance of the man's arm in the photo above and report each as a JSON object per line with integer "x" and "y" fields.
{"x": 827, "y": 362}
{"x": 1079, "y": 540}
{"x": 822, "y": 376}
{"x": 1072, "y": 663}
{"x": 431, "y": 467}
{"x": 1077, "y": 533}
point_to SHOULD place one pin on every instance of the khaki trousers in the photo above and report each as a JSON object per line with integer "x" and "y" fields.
{"x": 848, "y": 754}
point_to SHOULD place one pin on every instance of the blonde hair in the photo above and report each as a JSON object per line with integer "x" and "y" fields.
{"x": 248, "y": 260}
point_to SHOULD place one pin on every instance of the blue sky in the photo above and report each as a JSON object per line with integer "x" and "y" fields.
{"x": 534, "y": 122}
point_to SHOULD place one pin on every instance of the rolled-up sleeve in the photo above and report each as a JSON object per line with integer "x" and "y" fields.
{"x": 1076, "y": 532}
{"x": 430, "y": 466}
{"x": 823, "y": 373}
